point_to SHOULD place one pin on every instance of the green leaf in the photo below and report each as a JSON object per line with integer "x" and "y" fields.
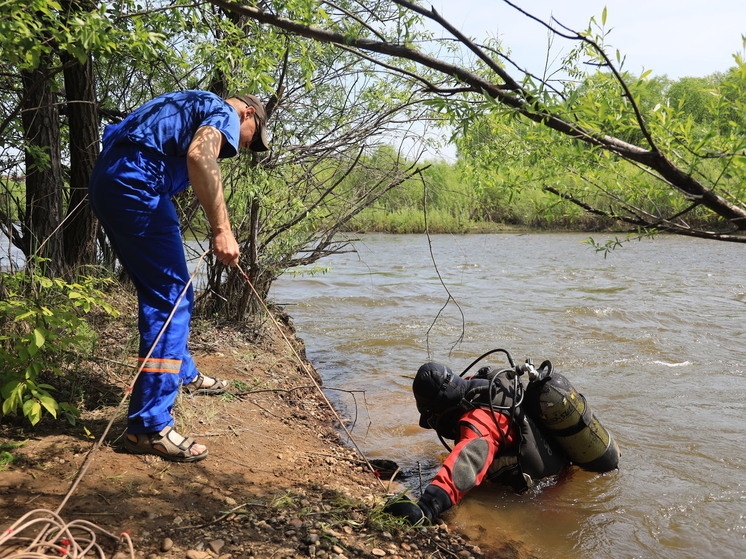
{"x": 31, "y": 350}
{"x": 32, "y": 411}
{"x": 5, "y": 459}
{"x": 8, "y": 407}
{"x": 50, "y": 404}
{"x": 7, "y": 389}
{"x": 39, "y": 337}
{"x": 25, "y": 315}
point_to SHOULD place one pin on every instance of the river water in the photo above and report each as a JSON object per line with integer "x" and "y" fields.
{"x": 653, "y": 335}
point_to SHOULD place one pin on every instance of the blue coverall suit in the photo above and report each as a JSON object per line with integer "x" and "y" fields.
{"x": 141, "y": 166}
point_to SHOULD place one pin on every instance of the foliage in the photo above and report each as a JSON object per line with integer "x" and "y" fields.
{"x": 511, "y": 171}
{"x": 6, "y": 457}
{"x": 609, "y": 116}
{"x": 435, "y": 200}
{"x": 514, "y": 164}
{"x": 328, "y": 163}
{"x": 327, "y": 109}
{"x": 42, "y": 322}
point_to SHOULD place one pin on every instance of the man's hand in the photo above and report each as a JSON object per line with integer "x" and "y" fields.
{"x": 433, "y": 501}
{"x": 225, "y": 247}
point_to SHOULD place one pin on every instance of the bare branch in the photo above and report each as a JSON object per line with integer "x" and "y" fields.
{"x": 662, "y": 225}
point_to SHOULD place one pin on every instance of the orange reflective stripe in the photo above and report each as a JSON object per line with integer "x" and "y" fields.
{"x": 160, "y": 365}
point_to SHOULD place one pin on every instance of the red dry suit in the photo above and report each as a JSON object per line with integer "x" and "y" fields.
{"x": 479, "y": 443}
{"x": 494, "y": 438}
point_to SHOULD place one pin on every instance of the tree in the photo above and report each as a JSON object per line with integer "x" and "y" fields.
{"x": 43, "y": 206}
{"x": 465, "y": 92}
{"x": 327, "y": 110}
{"x": 330, "y": 114}
{"x": 79, "y": 231}
{"x": 48, "y": 49}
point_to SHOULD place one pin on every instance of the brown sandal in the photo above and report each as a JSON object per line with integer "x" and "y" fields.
{"x": 166, "y": 443}
{"x": 202, "y": 384}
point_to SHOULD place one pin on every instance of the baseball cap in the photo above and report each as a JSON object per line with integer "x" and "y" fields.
{"x": 260, "y": 142}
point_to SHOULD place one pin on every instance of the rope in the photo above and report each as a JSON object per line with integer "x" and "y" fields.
{"x": 58, "y": 538}
{"x": 307, "y": 370}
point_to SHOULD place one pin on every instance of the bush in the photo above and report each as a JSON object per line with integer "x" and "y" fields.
{"x": 42, "y": 323}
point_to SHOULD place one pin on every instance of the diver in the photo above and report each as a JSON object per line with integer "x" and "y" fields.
{"x": 503, "y": 433}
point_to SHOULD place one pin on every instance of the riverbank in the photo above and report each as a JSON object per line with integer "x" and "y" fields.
{"x": 279, "y": 481}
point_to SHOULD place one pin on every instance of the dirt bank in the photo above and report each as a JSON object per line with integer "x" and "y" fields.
{"x": 277, "y": 483}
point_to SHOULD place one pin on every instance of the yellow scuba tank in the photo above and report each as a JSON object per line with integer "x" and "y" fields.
{"x": 564, "y": 414}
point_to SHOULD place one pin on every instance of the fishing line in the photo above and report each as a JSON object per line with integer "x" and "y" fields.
{"x": 440, "y": 279}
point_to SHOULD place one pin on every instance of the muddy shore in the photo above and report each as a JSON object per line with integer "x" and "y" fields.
{"x": 278, "y": 482}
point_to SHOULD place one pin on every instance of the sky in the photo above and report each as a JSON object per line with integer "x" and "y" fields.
{"x": 677, "y": 38}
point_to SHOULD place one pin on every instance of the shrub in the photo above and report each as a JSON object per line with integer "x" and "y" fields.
{"x": 41, "y": 320}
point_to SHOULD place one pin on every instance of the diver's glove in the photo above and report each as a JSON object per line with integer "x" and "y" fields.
{"x": 433, "y": 501}
{"x": 404, "y": 507}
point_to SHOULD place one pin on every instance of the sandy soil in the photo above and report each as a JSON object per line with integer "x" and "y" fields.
{"x": 277, "y": 483}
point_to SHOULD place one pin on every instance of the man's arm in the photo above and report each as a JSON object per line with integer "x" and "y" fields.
{"x": 480, "y": 440}
{"x": 204, "y": 176}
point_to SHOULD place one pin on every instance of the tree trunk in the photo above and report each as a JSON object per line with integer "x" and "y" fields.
{"x": 41, "y": 128}
{"x": 79, "y": 231}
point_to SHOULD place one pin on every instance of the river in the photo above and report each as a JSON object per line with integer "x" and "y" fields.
{"x": 653, "y": 335}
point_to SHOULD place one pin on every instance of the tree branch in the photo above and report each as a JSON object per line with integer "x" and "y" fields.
{"x": 648, "y": 157}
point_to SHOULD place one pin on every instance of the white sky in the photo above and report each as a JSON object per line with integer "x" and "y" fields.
{"x": 677, "y": 38}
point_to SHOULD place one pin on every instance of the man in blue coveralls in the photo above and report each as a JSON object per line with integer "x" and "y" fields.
{"x": 168, "y": 143}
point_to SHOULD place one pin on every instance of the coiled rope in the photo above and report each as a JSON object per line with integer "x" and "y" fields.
{"x": 57, "y": 538}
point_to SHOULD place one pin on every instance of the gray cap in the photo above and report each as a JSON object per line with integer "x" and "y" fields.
{"x": 260, "y": 142}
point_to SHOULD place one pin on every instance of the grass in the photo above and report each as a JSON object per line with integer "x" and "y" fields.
{"x": 6, "y": 457}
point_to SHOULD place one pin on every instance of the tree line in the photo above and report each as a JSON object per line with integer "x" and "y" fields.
{"x": 517, "y": 173}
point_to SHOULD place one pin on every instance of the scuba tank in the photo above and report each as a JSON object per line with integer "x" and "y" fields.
{"x": 564, "y": 414}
